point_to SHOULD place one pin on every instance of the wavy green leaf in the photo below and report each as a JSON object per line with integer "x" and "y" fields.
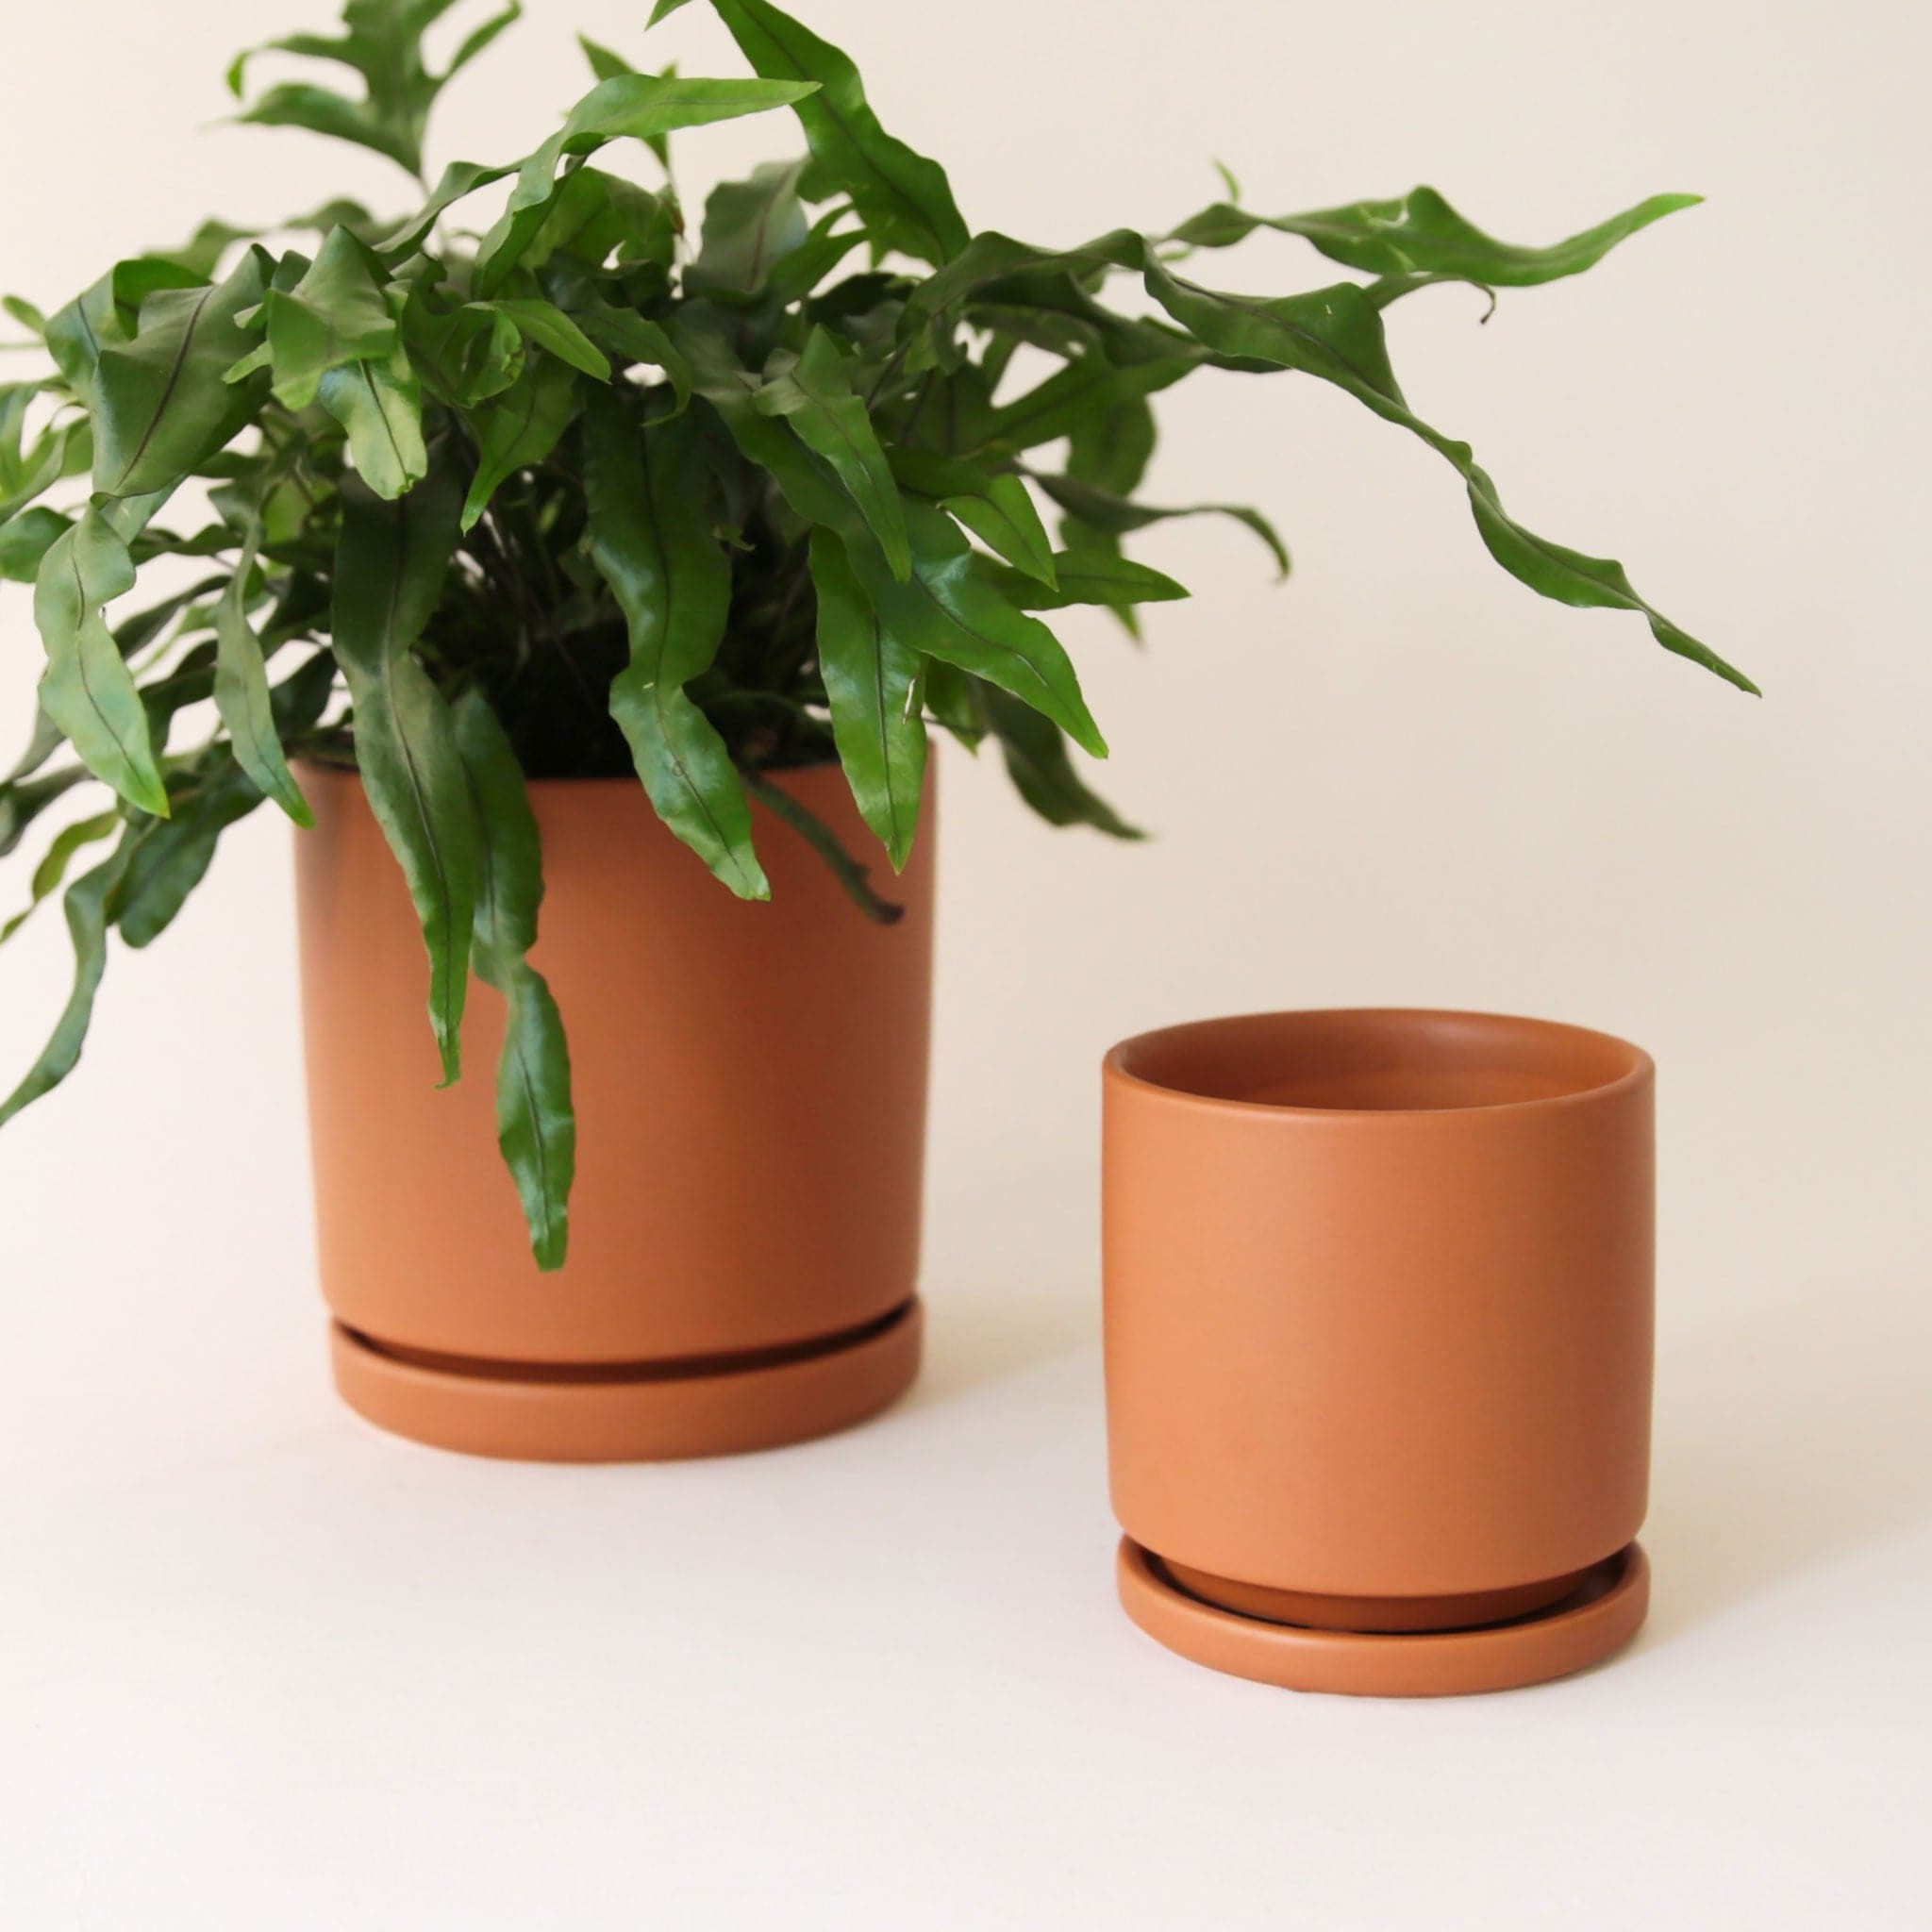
{"x": 462, "y": 356}
{"x": 242, "y": 693}
{"x": 949, "y": 611}
{"x": 814, "y": 395}
{"x": 380, "y": 405}
{"x": 872, "y": 685}
{"x": 109, "y": 313}
{"x": 1072, "y": 396}
{"x": 1086, "y": 576}
{"x": 172, "y": 858}
{"x": 997, "y": 508}
{"x": 1114, "y": 516}
{"x": 86, "y": 907}
{"x": 391, "y": 562}
{"x": 22, "y": 800}
{"x": 749, "y": 227}
{"x": 87, "y": 690}
{"x": 51, "y": 873}
{"x": 546, "y": 325}
{"x": 382, "y": 43}
{"x": 517, "y": 429}
{"x": 640, "y": 105}
{"x": 1041, "y": 769}
{"x": 335, "y": 314}
{"x": 855, "y": 878}
{"x": 1419, "y": 233}
{"x": 458, "y": 181}
{"x": 26, "y": 539}
{"x": 535, "y": 1116}
{"x": 160, "y": 403}
{"x": 631, "y": 339}
{"x": 904, "y": 196}
{"x": 1336, "y": 334}
{"x": 651, "y": 542}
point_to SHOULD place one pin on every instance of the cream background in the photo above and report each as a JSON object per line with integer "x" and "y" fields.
{"x": 258, "y": 1668}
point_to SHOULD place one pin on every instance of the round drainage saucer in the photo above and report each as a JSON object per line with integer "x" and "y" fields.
{"x": 638, "y": 1412}
{"x": 1597, "y": 1618}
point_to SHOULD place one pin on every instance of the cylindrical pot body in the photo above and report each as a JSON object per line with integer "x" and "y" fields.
{"x": 1378, "y": 1311}
{"x": 749, "y": 1082}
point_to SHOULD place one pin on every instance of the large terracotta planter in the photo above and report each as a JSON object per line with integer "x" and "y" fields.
{"x": 1378, "y": 1344}
{"x": 750, "y": 1085}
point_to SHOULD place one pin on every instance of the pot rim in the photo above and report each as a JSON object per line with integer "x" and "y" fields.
{"x": 1638, "y": 1070}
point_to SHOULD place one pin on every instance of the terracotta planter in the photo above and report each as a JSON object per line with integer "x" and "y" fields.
{"x": 1378, "y": 1344}
{"x": 750, "y": 1083}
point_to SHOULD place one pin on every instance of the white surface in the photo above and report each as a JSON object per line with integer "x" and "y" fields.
{"x": 261, "y": 1670}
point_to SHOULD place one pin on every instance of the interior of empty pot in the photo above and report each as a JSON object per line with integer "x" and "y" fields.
{"x": 1386, "y": 1060}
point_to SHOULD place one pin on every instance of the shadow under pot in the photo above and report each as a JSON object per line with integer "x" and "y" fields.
{"x": 750, "y": 1086}
{"x": 1379, "y": 1291}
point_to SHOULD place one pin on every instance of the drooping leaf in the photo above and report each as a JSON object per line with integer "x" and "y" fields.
{"x": 1109, "y": 451}
{"x": 22, "y": 800}
{"x": 51, "y": 873}
{"x": 1041, "y": 769}
{"x": 242, "y": 693}
{"x": 651, "y": 542}
{"x": 167, "y": 865}
{"x": 1086, "y": 576}
{"x": 535, "y": 1116}
{"x": 1101, "y": 510}
{"x": 872, "y": 685}
{"x": 160, "y": 403}
{"x": 815, "y": 395}
{"x": 517, "y": 429}
{"x": 1420, "y": 233}
{"x": 949, "y": 611}
{"x": 854, "y": 877}
{"x": 87, "y": 690}
{"x": 905, "y": 197}
{"x": 380, "y": 404}
{"x": 86, "y": 907}
{"x": 1336, "y": 334}
{"x": 390, "y": 566}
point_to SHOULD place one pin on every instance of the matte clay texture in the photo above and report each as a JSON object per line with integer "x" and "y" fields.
{"x": 750, "y": 1083}
{"x": 1379, "y": 1310}
{"x": 1594, "y": 1622}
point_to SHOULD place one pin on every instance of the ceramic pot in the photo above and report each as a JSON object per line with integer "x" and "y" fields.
{"x": 750, "y": 1085}
{"x": 1378, "y": 1335}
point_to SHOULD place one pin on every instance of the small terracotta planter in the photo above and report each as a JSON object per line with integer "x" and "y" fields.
{"x": 750, "y": 1085}
{"x": 1378, "y": 1344}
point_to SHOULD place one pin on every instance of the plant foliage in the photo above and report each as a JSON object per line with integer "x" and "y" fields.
{"x": 585, "y": 486}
